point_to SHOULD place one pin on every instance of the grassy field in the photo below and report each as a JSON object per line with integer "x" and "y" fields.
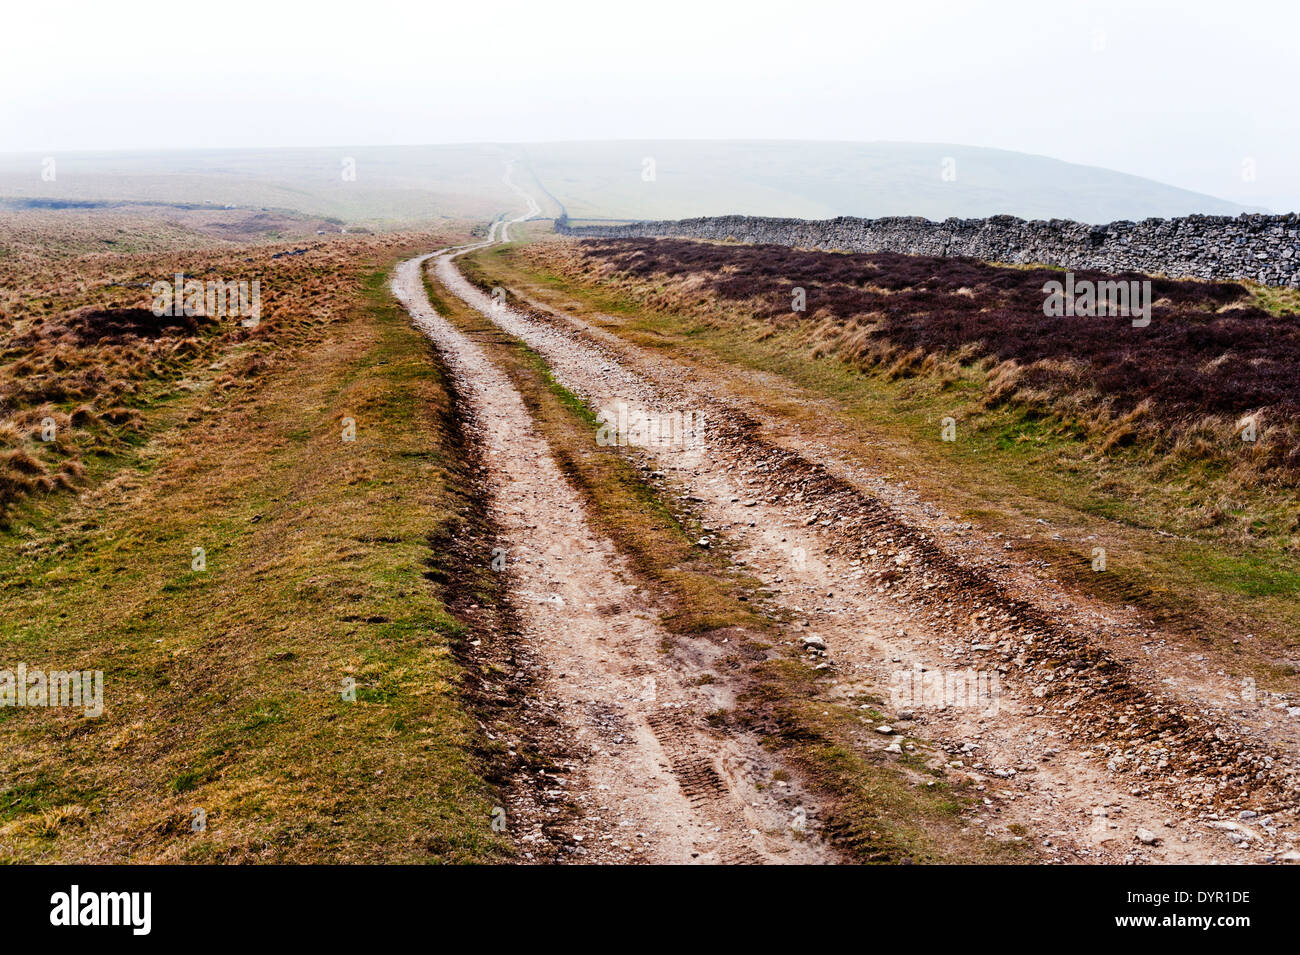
{"x": 291, "y": 692}
{"x": 1206, "y": 550}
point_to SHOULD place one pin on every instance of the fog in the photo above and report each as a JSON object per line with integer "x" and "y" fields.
{"x": 1198, "y": 95}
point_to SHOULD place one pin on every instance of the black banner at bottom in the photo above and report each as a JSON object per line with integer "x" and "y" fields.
{"x": 338, "y": 905}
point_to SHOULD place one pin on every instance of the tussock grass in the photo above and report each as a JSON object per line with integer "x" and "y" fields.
{"x": 224, "y": 687}
{"x": 79, "y": 344}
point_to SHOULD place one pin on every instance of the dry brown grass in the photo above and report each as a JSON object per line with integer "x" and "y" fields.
{"x": 80, "y": 348}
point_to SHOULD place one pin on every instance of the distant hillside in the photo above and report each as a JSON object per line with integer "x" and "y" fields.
{"x": 350, "y": 184}
{"x": 378, "y": 185}
{"x": 819, "y": 180}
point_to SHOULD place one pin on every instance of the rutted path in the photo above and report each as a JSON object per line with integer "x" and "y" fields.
{"x": 652, "y": 784}
{"x": 1056, "y": 755}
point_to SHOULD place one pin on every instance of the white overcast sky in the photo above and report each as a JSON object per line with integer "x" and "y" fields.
{"x": 1183, "y": 92}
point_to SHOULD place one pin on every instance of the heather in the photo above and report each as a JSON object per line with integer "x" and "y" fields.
{"x": 1212, "y": 361}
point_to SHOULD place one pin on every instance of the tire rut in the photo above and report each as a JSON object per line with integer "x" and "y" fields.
{"x": 646, "y": 782}
{"x": 1099, "y": 741}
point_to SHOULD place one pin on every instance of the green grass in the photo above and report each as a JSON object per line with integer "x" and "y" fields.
{"x": 224, "y": 688}
{"x": 1279, "y": 301}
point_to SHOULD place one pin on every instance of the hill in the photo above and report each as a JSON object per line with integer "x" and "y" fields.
{"x": 821, "y": 180}
{"x": 384, "y": 185}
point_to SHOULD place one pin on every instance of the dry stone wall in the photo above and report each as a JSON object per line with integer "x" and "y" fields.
{"x": 1265, "y": 248}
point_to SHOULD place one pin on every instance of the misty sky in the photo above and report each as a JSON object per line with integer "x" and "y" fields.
{"x": 1188, "y": 93}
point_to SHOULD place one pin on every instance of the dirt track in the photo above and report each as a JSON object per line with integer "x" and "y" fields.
{"x": 649, "y": 783}
{"x": 1099, "y": 729}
